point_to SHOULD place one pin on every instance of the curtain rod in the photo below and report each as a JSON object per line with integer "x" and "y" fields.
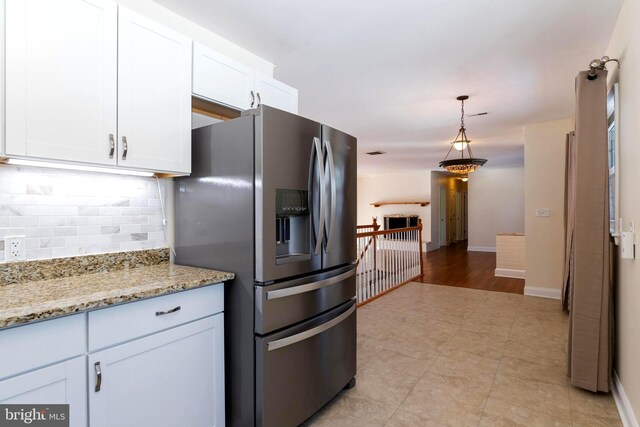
{"x": 599, "y": 64}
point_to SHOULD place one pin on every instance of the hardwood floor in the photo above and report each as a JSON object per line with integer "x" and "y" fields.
{"x": 453, "y": 266}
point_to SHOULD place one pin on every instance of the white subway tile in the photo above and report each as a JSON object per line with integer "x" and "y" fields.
{"x": 65, "y": 210}
{"x": 64, "y": 231}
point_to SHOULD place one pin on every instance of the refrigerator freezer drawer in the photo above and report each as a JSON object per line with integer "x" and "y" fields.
{"x": 300, "y": 369}
{"x": 287, "y": 303}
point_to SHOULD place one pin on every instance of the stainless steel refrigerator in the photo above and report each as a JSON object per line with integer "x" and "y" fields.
{"x": 272, "y": 197}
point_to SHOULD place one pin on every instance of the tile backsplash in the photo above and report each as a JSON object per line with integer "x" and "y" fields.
{"x": 66, "y": 213}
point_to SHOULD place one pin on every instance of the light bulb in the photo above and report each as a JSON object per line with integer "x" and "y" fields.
{"x": 460, "y": 145}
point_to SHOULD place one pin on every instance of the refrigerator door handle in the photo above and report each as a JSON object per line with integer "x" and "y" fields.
{"x": 285, "y": 342}
{"x": 332, "y": 214}
{"x": 301, "y": 289}
{"x": 321, "y": 220}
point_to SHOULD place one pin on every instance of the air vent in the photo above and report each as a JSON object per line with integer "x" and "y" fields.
{"x": 375, "y": 153}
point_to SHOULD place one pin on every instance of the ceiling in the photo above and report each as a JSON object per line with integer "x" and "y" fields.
{"x": 389, "y": 72}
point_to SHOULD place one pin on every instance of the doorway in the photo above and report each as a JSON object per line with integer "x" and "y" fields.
{"x": 442, "y": 215}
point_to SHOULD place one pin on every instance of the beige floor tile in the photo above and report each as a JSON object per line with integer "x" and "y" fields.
{"x": 530, "y": 394}
{"x": 456, "y": 363}
{"x": 597, "y": 404}
{"x": 392, "y": 361}
{"x": 455, "y": 401}
{"x": 531, "y": 371}
{"x": 542, "y": 352}
{"x": 385, "y": 386}
{"x": 590, "y": 420}
{"x": 402, "y": 418}
{"x": 348, "y": 410}
{"x": 498, "y": 412}
{"x": 487, "y": 345}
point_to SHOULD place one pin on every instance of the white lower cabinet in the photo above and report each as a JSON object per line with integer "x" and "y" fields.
{"x": 156, "y": 362}
{"x": 63, "y": 382}
{"x": 171, "y": 378}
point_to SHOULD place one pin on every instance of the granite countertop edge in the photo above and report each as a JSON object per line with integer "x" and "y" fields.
{"x": 39, "y": 300}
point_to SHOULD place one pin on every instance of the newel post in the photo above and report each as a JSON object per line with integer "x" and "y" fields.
{"x": 375, "y": 224}
{"x": 420, "y": 240}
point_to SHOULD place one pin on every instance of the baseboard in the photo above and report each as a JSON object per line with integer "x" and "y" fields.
{"x": 509, "y": 272}
{"x": 622, "y": 402}
{"x": 481, "y": 248}
{"x": 542, "y": 292}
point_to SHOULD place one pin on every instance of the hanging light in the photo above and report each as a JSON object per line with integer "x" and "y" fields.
{"x": 463, "y": 165}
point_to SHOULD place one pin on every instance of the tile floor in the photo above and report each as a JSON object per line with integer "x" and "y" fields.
{"x": 431, "y": 355}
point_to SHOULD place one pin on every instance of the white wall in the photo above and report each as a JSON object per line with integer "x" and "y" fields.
{"x": 544, "y": 170}
{"x": 496, "y": 205}
{"x": 194, "y": 31}
{"x": 625, "y": 44}
{"x": 66, "y": 213}
{"x": 405, "y": 187}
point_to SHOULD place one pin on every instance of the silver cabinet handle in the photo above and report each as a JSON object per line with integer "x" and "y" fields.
{"x": 96, "y": 366}
{"x": 284, "y": 342}
{"x": 295, "y": 290}
{"x": 112, "y": 144}
{"x": 320, "y": 160}
{"x": 332, "y": 177}
{"x": 253, "y": 99}
{"x": 125, "y": 146}
{"x": 173, "y": 310}
{"x": 259, "y": 99}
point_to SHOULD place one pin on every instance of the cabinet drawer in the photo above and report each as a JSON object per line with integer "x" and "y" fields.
{"x": 125, "y": 322}
{"x": 34, "y": 345}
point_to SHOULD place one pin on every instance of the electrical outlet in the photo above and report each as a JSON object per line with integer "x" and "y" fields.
{"x": 15, "y": 248}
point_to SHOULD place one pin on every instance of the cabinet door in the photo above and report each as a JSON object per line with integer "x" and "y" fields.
{"x": 154, "y": 95}
{"x": 276, "y": 94}
{"x": 172, "y": 378}
{"x": 221, "y": 79}
{"x": 61, "y": 79}
{"x": 57, "y": 384}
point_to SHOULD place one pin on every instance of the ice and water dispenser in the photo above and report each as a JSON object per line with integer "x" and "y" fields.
{"x": 292, "y": 226}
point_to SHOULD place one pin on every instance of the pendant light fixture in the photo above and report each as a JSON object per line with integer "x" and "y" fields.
{"x": 463, "y": 165}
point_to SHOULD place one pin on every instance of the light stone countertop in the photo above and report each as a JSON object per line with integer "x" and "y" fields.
{"x": 29, "y": 301}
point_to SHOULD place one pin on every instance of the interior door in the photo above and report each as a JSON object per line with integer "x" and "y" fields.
{"x": 339, "y": 246}
{"x": 285, "y": 158}
{"x": 154, "y": 95}
{"x": 61, "y": 82}
{"x": 442, "y": 201}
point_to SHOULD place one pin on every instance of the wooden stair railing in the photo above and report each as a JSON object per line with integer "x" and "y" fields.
{"x": 387, "y": 259}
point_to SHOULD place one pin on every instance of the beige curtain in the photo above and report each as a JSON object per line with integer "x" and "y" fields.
{"x": 589, "y": 346}
{"x": 569, "y": 218}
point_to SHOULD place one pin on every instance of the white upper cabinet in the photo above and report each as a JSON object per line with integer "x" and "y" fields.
{"x": 276, "y": 94}
{"x": 61, "y": 79}
{"x": 154, "y": 95}
{"x": 221, "y": 79}
{"x": 225, "y": 81}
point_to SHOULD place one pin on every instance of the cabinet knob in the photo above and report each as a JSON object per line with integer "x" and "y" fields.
{"x": 112, "y": 144}
{"x": 125, "y": 146}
